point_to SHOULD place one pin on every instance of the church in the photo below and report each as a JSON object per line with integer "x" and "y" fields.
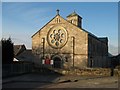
{"x": 63, "y": 43}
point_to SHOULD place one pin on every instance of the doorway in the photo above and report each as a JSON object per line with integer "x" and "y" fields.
{"x": 57, "y": 62}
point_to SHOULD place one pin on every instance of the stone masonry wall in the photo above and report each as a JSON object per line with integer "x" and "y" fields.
{"x": 87, "y": 72}
{"x": 81, "y": 42}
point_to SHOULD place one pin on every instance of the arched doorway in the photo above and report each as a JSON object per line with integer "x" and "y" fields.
{"x": 57, "y": 62}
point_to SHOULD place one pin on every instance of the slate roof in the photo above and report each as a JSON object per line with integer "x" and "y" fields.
{"x": 103, "y": 39}
{"x": 23, "y": 54}
{"x": 26, "y": 55}
{"x": 19, "y": 49}
{"x": 73, "y": 14}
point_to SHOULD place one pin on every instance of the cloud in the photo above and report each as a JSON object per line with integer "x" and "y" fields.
{"x": 113, "y": 49}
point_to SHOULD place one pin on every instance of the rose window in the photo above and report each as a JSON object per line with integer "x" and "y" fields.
{"x": 57, "y": 37}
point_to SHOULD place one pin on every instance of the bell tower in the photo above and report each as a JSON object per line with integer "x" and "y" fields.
{"x": 75, "y": 19}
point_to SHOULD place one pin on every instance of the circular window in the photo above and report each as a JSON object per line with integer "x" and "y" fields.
{"x": 57, "y": 37}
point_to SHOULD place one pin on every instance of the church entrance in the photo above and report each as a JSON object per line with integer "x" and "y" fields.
{"x": 57, "y": 62}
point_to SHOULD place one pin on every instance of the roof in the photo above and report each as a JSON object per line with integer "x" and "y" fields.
{"x": 103, "y": 39}
{"x": 73, "y": 14}
{"x": 26, "y": 55}
{"x": 117, "y": 56}
{"x": 110, "y": 55}
{"x": 18, "y": 49}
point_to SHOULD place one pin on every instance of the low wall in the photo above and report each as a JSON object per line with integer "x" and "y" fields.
{"x": 87, "y": 72}
{"x": 80, "y": 72}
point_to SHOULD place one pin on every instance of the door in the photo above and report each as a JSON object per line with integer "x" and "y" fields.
{"x": 57, "y": 62}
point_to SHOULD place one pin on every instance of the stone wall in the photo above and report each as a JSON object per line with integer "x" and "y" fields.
{"x": 85, "y": 46}
{"x": 87, "y": 72}
{"x": 80, "y": 45}
{"x": 97, "y": 52}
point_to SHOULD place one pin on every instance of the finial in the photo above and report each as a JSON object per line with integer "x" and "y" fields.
{"x": 57, "y": 11}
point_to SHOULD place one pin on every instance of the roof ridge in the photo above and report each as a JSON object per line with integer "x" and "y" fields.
{"x": 73, "y": 14}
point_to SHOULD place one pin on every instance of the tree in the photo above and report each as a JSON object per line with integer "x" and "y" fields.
{"x": 7, "y": 51}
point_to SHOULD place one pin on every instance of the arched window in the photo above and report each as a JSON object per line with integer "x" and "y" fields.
{"x": 72, "y": 21}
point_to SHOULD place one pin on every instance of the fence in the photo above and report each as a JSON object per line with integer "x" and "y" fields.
{"x": 16, "y": 68}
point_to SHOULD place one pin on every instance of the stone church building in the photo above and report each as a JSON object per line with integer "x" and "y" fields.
{"x": 63, "y": 43}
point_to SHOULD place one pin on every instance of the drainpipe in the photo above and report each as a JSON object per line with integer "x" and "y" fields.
{"x": 43, "y": 41}
{"x": 73, "y": 49}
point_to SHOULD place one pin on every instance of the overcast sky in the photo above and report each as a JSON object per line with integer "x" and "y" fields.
{"x": 21, "y": 20}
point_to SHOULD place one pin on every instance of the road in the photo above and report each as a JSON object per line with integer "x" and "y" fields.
{"x": 36, "y": 80}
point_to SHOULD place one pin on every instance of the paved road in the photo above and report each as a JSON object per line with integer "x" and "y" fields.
{"x": 90, "y": 83}
{"x": 36, "y": 80}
